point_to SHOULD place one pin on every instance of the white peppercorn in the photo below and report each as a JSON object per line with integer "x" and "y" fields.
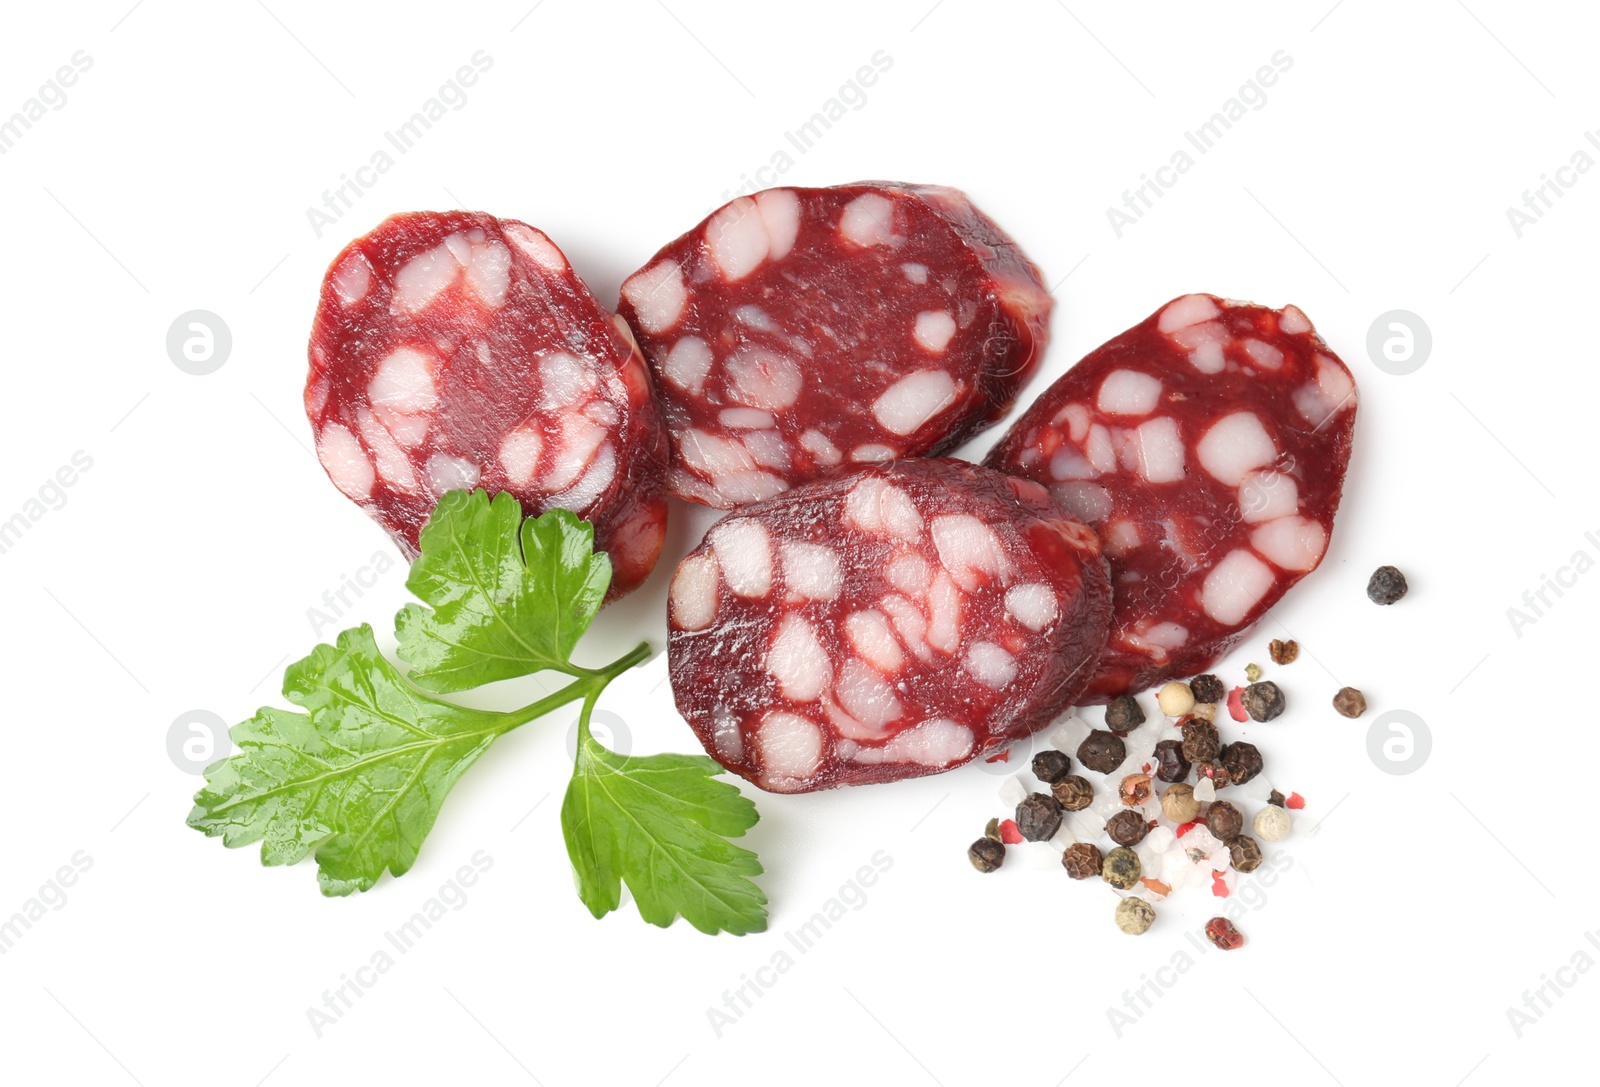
{"x": 1175, "y": 699}
{"x": 1272, "y": 824}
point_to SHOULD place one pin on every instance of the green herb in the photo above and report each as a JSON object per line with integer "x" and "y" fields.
{"x": 357, "y": 779}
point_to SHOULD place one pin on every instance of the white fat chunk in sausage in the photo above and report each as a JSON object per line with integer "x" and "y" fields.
{"x": 583, "y": 493}
{"x": 768, "y": 449}
{"x": 780, "y": 214}
{"x": 345, "y": 461}
{"x": 739, "y": 488}
{"x": 580, "y": 440}
{"x": 694, "y": 592}
{"x": 755, "y": 317}
{"x": 791, "y": 748}
{"x": 874, "y": 453}
{"x": 1235, "y": 586}
{"x": 1128, "y": 392}
{"x": 1100, "y": 450}
{"x": 944, "y": 614}
{"x": 817, "y": 444}
{"x": 760, "y": 378}
{"x": 1191, "y": 309}
{"x": 811, "y": 570}
{"x": 989, "y": 664}
{"x": 565, "y": 382}
{"x": 1034, "y": 605}
{"x": 1121, "y": 536}
{"x": 489, "y": 273}
{"x": 1294, "y": 321}
{"x": 443, "y": 473}
{"x": 933, "y": 330}
{"x": 1331, "y": 392}
{"x": 875, "y": 505}
{"x": 736, "y": 239}
{"x": 797, "y": 660}
{"x": 970, "y": 551}
{"x": 868, "y": 220}
{"x": 404, "y": 383}
{"x": 353, "y": 278}
{"x": 866, "y": 696}
{"x": 938, "y": 742}
{"x": 1263, "y": 354}
{"x": 687, "y": 363}
{"x": 910, "y": 624}
{"x": 603, "y": 412}
{"x": 874, "y": 641}
{"x": 409, "y": 430}
{"x": 1160, "y": 450}
{"x": 1088, "y": 502}
{"x": 713, "y": 455}
{"x": 906, "y": 405}
{"x": 1266, "y": 496}
{"x": 537, "y": 247}
{"x": 1235, "y": 446}
{"x": 1067, "y": 463}
{"x": 915, "y": 273}
{"x": 1293, "y": 543}
{"x": 423, "y": 278}
{"x": 657, "y": 295}
{"x": 910, "y": 573}
{"x": 1204, "y": 344}
{"x": 746, "y": 419}
{"x": 726, "y": 735}
{"x": 744, "y": 549}
{"x": 394, "y": 467}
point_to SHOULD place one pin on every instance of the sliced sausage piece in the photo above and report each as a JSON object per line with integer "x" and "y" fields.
{"x": 896, "y": 621}
{"x": 1208, "y": 446}
{"x": 457, "y": 350}
{"x": 800, "y": 330}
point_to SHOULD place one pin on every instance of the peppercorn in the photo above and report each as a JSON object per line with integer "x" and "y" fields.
{"x": 1208, "y": 688}
{"x": 1134, "y": 790}
{"x": 1102, "y": 751}
{"x": 1082, "y": 860}
{"x": 1124, "y": 714}
{"x": 1272, "y": 824}
{"x": 1275, "y": 798}
{"x": 1200, "y": 743}
{"x": 1039, "y": 817}
{"x": 986, "y": 854}
{"x": 1179, "y": 805}
{"x": 1242, "y": 761}
{"x": 1135, "y": 916}
{"x": 1223, "y": 820}
{"x": 1284, "y": 652}
{"x": 1386, "y": 585}
{"x": 1263, "y": 701}
{"x": 1214, "y": 772}
{"x": 1350, "y": 702}
{"x": 1127, "y": 827}
{"x": 1074, "y": 792}
{"x": 1175, "y": 698}
{"x": 1203, "y": 711}
{"x": 1170, "y": 764}
{"x": 1121, "y": 868}
{"x": 1050, "y": 766}
{"x": 1252, "y": 672}
{"x": 1245, "y": 853}
{"x": 992, "y": 829}
{"x": 1222, "y": 934}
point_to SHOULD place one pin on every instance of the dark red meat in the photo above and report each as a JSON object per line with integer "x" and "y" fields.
{"x": 798, "y": 330}
{"x": 1208, "y": 446}
{"x": 896, "y": 621}
{"x": 457, "y": 350}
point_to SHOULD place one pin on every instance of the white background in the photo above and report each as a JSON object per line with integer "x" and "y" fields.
{"x": 179, "y": 572}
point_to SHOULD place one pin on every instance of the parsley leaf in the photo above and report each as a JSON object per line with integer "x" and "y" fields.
{"x": 661, "y": 823}
{"x": 504, "y": 603}
{"x": 359, "y": 777}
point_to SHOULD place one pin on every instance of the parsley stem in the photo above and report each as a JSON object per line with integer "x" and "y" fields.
{"x": 587, "y": 685}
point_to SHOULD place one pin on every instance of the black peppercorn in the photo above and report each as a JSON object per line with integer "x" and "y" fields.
{"x": 1200, "y": 743}
{"x": 1262, "y": 701}
{"x": 1350, "y": 702}
{"x": 1275, "y": 798}
{"x": 1102, "y": 751}
{"x": 1039, "y": 817}
{"x": 1123, "y": 715}
{"x": 1121, "y": 868}
{"x": 1127, "y": 828}
{"x": 1050, "y": 766}
{"x": 1074, "y": 792}
{"x": 1242, "y": 761}
{"x": 986, "y": 854}
{"x": 1224, "y": 820}
{"x": 1386, "y": 585}
{"x": 1208, "y": 688}
{"x": 1082, "y": 860}
{"x": 1170, "y": 764}
{"x": 1244, "y": 851}
{"x": 1216, "y": 771}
